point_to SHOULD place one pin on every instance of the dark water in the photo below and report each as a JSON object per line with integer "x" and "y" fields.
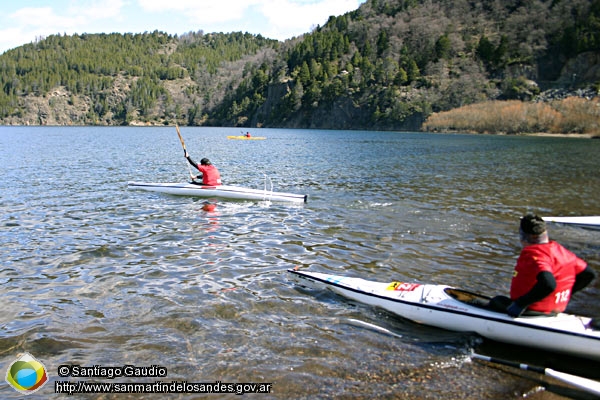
{"x": 95, "y": 274}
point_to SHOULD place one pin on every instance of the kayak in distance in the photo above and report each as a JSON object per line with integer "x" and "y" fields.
{"x": 229, "y": 192}
{"x": 243, "y": 137}
{"x": 591, "y": 222}
{"x": 458, "y": 310}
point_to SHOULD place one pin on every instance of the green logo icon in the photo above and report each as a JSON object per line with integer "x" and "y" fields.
{"x": 26, "y": 374}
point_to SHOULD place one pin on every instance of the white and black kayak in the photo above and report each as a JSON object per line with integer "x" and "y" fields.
{"x": 591, "y": 222}
{"x": 459, "y": 310}
{"x": 222, "y": 191}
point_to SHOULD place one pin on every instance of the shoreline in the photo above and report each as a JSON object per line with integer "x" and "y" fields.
{"x": 539, "y": 134}
{"x": 562, "y": 135}
{"x": 546, "y": 134}
{"x": 451, "y": 131}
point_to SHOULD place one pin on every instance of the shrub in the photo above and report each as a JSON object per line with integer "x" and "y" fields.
{"x": 570, "y": 115}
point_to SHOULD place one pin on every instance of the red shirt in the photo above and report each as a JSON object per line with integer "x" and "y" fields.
{"x": 210, "y": 175}
{"x": 551, "y": 257}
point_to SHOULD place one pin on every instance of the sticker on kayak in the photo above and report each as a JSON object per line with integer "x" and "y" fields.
{"x": 403, "y": 286}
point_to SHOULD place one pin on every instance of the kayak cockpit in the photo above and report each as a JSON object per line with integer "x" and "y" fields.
{"x": 470, "y": 298}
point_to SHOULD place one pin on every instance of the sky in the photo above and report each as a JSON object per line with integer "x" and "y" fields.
{"x": 26, "y": 21}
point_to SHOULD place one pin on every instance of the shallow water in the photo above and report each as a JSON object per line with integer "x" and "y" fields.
{"x": 95, "y": 274}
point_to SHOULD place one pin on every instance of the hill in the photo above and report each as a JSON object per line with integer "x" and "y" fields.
{"x": 388, "y": 65}
{"x": 119, "y": 79}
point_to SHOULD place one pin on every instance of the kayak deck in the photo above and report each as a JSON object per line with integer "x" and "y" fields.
{"x": 462, "y": 311}
{"x": 222, "y": 191}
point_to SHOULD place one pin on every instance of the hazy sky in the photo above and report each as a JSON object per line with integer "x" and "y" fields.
{"x": 23, "y": 21}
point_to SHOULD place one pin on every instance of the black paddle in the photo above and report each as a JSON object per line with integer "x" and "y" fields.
{"x": 589, "y": 385}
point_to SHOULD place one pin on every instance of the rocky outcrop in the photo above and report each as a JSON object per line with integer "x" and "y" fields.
{"x": 583, "y": 68}
{"x": 560, "y": 94}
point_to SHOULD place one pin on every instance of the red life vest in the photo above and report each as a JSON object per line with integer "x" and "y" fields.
{"x": 210, "y": 175}
{"x": 557, "y": 260}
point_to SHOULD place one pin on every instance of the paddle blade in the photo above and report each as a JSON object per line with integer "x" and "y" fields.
{"x": 180, "y": 138}
{"x": 589, "y": 385}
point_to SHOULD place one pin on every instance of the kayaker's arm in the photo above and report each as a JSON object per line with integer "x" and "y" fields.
{"x": 583, "y": 279}
{"x": 187, "y": 156}
{"x": 544, "y": 286}
{"x": 191, "y": 161}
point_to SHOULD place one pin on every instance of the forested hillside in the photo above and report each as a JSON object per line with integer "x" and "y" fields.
{"x": 387, "y": 65}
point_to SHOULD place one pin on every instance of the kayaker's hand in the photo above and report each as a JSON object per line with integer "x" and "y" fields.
{"x": 185, "y": 154}
{"x": 515, "y": 310}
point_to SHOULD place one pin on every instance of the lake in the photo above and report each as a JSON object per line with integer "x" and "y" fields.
{"x": 95, "y": 274}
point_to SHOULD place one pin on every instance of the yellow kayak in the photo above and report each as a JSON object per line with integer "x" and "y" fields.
{"x": 244, "y": 137}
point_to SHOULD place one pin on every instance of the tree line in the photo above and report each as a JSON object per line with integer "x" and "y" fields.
{"x": 386, "y": 65}
{"x": 89, "y": 65}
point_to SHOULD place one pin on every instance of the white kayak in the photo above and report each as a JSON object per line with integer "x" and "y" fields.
{"x": 592, "y": 222}
{"x": 458, "y": 310}
{"x": 222, "y": 191}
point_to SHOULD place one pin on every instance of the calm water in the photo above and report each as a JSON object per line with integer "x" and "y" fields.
{"x": 95, "y": 274}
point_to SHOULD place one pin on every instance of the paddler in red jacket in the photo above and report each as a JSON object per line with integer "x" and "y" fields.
{"x": 210, "y": 174}
{"x": 546, "y": 274}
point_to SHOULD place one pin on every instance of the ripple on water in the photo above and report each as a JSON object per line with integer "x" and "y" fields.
{"x": 94, "y": 273}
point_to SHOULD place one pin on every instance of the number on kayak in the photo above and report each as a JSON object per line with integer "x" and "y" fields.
{"x": 403, "y": 286}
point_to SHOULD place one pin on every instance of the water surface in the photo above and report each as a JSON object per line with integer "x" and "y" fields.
{"x": 95, "y": 274}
